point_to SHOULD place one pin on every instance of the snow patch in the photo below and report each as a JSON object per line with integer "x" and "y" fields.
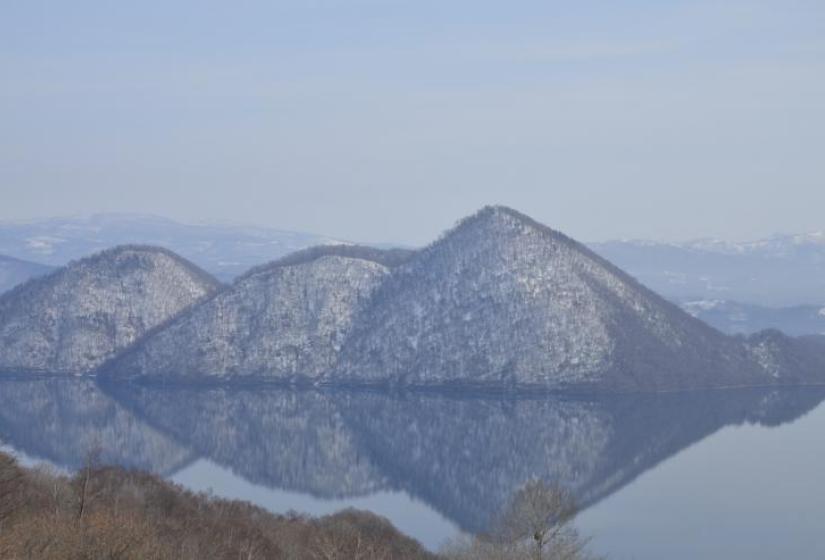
{"x": 702, "y": 305}
{"x": 43, "y": 244}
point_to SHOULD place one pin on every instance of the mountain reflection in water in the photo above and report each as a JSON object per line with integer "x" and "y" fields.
{"x": 462, "y": 456}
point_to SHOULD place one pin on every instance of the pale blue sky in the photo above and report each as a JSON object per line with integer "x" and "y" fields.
{"x": 386, "y": 120}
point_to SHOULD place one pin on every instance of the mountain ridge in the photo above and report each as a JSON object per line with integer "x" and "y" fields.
{"x": 499, "y": 301}
{"x": 273, "y": 318}
{"x": 585, "y": 268}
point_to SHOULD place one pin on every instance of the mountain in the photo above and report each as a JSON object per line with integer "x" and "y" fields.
{"x": 504, "y": 300}
{"x": 734, "y": 317}
{"x": 500, "y": 301}
{"x": 75, "y": 318}
{"x": 15, "y": 271}
{"x": 283, "y": 320}
{"x": 780, "y": 271}
{"x": 224, "y": 250}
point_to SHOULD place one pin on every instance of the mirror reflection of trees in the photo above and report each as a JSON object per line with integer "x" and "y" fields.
{"x": 464, "y": 456}
{"x": 60, "y": 420}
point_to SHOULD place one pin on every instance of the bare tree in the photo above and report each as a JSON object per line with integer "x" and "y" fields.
{"x": 55, "y": 488}
{"x": 84, "y": 480}
{"x": 539, "y": 512}
{"x": 11, "y": 483}
{"x": 537, "y": 523}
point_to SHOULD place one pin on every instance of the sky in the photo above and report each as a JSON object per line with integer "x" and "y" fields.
{"x": 388, "y": 120}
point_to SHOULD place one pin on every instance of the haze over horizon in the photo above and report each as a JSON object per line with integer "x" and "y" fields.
{"x": 387, "y": 121}
{"x": 815, "y": 235}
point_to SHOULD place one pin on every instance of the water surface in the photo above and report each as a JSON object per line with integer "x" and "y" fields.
{"x": 728, "y": 474}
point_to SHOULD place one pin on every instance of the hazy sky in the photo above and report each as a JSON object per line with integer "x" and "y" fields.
{"x": 386, "y": 120}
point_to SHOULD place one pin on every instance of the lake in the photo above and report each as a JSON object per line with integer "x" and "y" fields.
{"x": 723, "y": 474}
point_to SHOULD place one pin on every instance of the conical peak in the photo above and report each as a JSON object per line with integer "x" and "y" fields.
{"x": 499, "y": 212}
{"x": 503, "y": 217}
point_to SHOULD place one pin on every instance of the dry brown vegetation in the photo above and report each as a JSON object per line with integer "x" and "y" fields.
{"x": 115, "y": 514}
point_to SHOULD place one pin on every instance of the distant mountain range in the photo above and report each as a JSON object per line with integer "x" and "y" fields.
{"x": 498, "y": 302}
{"x": 224, "y": 250}
{"x": 15, "y": 271}
{"x": 781, "y": 271}
{"x": 734, "y": 317}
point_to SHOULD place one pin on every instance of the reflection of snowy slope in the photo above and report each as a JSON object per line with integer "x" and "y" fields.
{"x": 463, "y": 456}
{"x": 291, "y": 440}
{"x": 61, "y": 420}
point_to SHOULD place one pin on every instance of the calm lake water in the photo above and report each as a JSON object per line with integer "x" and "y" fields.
{"x": 725, "y": 474}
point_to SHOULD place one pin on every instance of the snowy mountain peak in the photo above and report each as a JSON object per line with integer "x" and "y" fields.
{"x": 500, "y": 216}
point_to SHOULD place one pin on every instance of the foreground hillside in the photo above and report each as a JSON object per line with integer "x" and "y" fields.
{"x": 116, "y": 514}
{"x": 83, "y": 314}
{"x": 110, "y": 513}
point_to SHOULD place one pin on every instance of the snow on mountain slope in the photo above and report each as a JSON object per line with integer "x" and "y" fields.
{"x": 504, "y": 300}
{"x": 77, "y": 317}
{"x": 500, "y": 301}
{"x": 284, "y": 320}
